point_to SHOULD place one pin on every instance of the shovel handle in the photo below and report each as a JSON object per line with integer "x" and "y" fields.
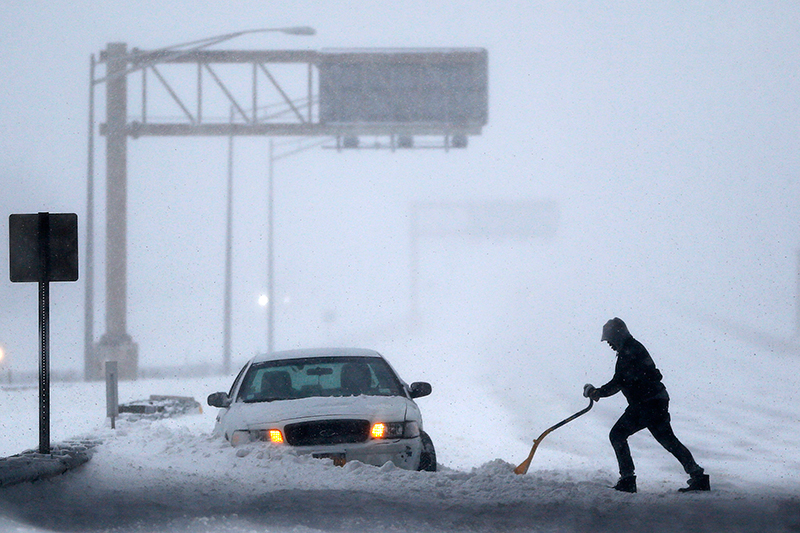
{"x": 523, "y": 467}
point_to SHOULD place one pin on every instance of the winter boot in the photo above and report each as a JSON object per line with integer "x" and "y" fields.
{"x": 626, "y": 484}
{"x": 699, "y": 482}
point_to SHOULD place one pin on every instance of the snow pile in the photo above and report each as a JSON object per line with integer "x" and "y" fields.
{"x": 172, "y": 475}
{"x": 165, "y": 475}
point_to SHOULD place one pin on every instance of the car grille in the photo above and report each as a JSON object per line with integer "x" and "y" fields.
{"x": 326, "y": 432}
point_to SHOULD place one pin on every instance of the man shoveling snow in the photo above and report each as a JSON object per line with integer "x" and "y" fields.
{"x": 639, "y": 380}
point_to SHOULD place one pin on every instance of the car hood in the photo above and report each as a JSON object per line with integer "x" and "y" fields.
{"x": 372, "y": 408}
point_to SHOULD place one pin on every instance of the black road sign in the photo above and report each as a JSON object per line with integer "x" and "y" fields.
{"x": 43, "y": 248}
{"x": 31, "y": 235}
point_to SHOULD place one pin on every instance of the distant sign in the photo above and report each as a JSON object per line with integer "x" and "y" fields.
{"x": 516, "y": 219}
{"x": 43, "y": 247}
{"x": 404, "y": 86}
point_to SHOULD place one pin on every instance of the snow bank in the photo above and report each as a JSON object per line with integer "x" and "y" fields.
{"x": 168, "y": 476}
{"x": 172, "y": 475}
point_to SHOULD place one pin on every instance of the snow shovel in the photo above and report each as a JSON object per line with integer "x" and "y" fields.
{"x": 523, "y": 468}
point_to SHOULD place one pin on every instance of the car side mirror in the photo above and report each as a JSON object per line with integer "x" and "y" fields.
{"x": 219, "y": 399}
{"x": 420, "y": 389}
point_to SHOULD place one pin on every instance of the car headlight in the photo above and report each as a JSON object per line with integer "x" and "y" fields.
{"x": 240, "y": 437}
{"x": 394, "y": 430}
{"x": 275, "y": 436}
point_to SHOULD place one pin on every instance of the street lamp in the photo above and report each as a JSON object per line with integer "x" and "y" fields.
{"x": 299, "y": 30}
{"x": 3, "y": 363}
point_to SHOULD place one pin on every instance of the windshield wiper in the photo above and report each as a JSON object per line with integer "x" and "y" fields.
{"x": 260, "y": 400}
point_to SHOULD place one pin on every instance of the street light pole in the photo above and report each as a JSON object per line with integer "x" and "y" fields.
{"x": 226, "y": 334}
{"x": 270, "y": 250}
{"x": 88, "y": 308}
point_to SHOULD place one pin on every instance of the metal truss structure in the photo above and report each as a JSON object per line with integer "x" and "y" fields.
{"x": 187, "y": 90}
{"x": 296, "y": 114}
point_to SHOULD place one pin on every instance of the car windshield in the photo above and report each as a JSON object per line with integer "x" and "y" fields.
{"x": 319, "y": 376}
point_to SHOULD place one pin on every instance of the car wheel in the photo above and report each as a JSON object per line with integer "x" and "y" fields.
{"x": 427, "y": 458}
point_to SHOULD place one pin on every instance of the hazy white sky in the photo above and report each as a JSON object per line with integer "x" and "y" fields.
{"x": 668, "y": 136}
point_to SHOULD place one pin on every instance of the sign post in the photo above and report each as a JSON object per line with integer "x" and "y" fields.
{"x": 43, "y": 242}
{"x": 112, "y": 392}
{"x": 43, "y": 247}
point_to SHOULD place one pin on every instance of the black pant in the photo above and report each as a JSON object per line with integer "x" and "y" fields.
{"x": 653, "y": 415}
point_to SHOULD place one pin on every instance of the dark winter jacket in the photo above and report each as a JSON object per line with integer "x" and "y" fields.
{"x": 635, "y": 375}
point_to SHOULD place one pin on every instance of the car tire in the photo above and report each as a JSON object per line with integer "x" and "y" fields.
{"x": 427, "y": 457}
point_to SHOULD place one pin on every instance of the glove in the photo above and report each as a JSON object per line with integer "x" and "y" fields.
{"x": 589, "y": 391}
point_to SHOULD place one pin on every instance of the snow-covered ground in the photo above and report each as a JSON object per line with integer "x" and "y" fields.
{"x": 666, "y": 133}
{"x": 171, "y": 475}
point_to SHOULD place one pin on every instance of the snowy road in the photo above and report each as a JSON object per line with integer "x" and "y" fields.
{"x": 452, "y": 502}
{"x": 163, "y": 476}
{"x": 300, "y": 496}
{"x": 171, "y": 475}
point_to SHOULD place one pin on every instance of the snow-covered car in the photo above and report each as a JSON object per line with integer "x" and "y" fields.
{"x": 340, "y": 403}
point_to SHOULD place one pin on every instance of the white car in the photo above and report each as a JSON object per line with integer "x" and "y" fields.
{"x": 340, "y": 403}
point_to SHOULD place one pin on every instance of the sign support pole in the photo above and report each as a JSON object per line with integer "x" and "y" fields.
{"x": 44, "y": 333}
{"x": 112, "y": 392}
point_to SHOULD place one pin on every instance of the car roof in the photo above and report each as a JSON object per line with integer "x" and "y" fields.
{"x": 316, "y": 352}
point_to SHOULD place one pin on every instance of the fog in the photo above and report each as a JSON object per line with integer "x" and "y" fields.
{"x": 667, "y": 135}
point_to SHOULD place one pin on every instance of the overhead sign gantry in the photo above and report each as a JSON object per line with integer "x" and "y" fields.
{"x": 394, "y": 94}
